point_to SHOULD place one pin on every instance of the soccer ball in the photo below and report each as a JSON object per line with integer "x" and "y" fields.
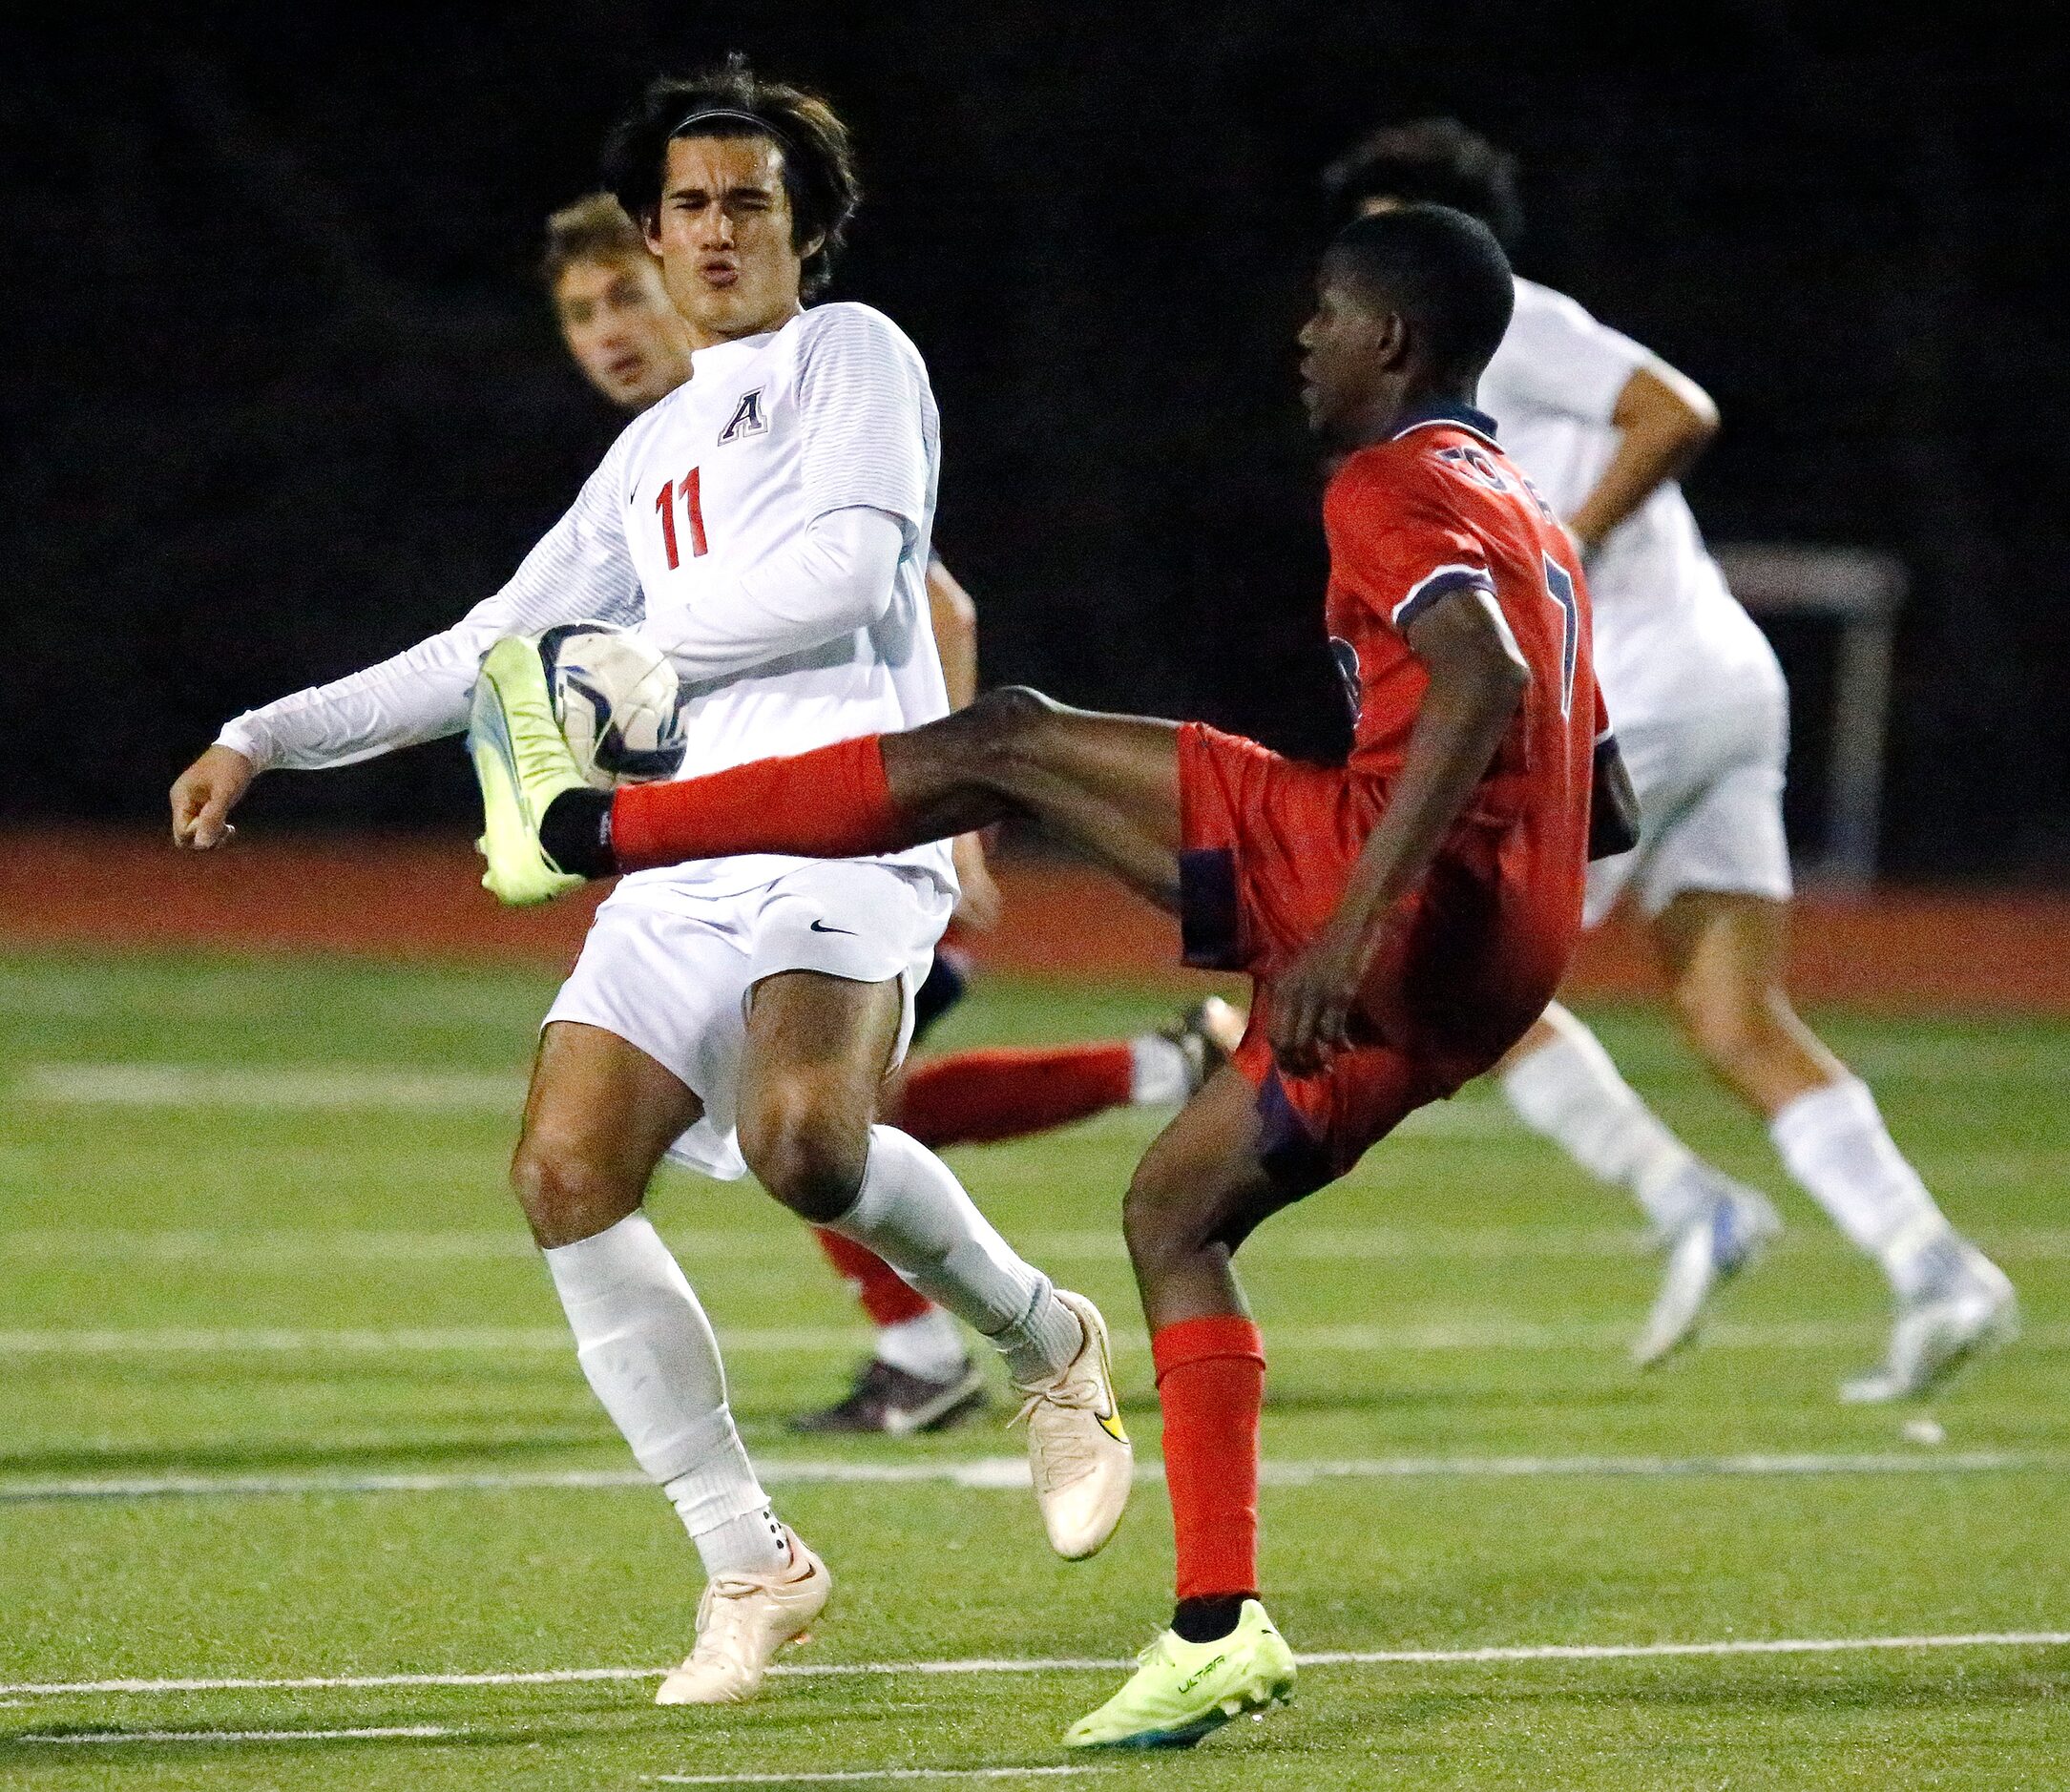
{"x": 617, "y": 700}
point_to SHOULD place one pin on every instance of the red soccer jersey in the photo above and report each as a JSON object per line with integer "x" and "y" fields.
{"x": 1439, "y": 509}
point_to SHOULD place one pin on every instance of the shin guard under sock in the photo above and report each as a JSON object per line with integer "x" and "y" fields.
{"x": 1211, "y": 1384}
{"x": 833, "y": 802}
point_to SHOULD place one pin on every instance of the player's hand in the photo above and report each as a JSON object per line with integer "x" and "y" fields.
{"x": 1311, "y": 1004}
{"x": 980, "y": 906}
{"x": 204, "y": 794}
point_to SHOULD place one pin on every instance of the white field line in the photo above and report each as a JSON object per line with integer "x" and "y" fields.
{"x": 386, "y": 1733}
{"x": 1065, "y": 1664}
{"x": 1433, "y": 1335}
{"x": 303, "y": 1088}
{"x": 323, "y": 1251}
{"x": 1007, "y": 1473}
{"x": 278, "y": 1250}
{"x": 856, "y": 1776}
{"x": 431, "y": 1732}
{"x": 293, "y": 1089}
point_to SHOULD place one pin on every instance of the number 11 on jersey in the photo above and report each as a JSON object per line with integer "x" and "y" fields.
{"x": 665, "y": 503}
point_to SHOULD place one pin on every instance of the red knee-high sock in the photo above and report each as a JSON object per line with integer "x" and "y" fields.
{"x": 833, "y": 802}
{"x": 885, "y": 1298}
{"x": 974, "y": 1095}
{"x": 1211, "y": 1384}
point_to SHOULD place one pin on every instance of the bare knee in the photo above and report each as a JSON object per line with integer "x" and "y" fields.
{"x": 1005, "y": 729}
{"x": 566, "y": 1192}
{"x": 1012, "y": 710}
{"x": 807, "y": 1143}
{"x": 1730, "y": 1021}
{"x": 1168, "y": 1225}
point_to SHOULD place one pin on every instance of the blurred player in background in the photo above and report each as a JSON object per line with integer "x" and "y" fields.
{"x": 1605, "y": 429}
{"x": 767, "y": 526}
{"x": 615, "y": 315}
{"x": 1405, "y": 918}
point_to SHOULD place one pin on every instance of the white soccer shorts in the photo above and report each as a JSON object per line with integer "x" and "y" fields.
{"x": 1710, "y": 808}
{"x": 671, "y": 974}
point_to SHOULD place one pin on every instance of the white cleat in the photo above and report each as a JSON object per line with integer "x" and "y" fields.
{"x": 1720, "y": 1238}
{"x": 1077, "y": 1450}
{"x": 1966, "y": 1310}
{"x": 743, "y": 1621}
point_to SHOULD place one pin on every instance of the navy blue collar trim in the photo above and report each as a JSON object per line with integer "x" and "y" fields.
{"x": 1462, "y": 416}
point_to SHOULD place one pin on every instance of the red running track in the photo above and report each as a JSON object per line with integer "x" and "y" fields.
{"x": 420, "y": 897}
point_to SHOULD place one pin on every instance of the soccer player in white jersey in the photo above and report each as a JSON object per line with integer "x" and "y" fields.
{"x": 768, "y": 525}
{"x": 615, "y": 316}
{"x": 1604, "y": 428}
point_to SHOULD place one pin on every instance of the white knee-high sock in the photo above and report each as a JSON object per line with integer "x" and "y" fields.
{"x": 1832, "y": 1140}
{"x": 914, "y": 1214}
{"x": 648, "y": 1351}
{"x": 1571, "y": 1092}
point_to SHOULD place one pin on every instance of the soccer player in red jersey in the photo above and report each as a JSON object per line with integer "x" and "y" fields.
{"x": 1404, "y": 917}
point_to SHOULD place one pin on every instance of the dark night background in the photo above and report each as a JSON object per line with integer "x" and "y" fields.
{"x": 281, "y": 398}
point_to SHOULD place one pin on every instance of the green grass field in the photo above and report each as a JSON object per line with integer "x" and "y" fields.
{"x": 286, "y": 1399}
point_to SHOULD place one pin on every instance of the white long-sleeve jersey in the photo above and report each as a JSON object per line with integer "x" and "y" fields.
{"x": 768, "y": 523}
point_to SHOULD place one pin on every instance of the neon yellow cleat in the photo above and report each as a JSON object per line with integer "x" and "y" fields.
{"x": 1182, "y": 1691}
{"x": 522, "y": 765}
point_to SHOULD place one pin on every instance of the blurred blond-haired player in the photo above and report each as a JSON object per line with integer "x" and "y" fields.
{"x": 1605, "y": 429}
{"x": 615, "y": 318}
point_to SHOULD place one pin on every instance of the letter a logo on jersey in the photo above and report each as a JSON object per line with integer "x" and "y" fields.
{"x": 747, "y": 419}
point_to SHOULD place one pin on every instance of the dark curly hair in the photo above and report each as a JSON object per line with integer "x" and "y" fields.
{"x": 1436, "y": 162}
{"x": 819, "y": 160}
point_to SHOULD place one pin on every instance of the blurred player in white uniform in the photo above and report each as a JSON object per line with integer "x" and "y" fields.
{"x": 767, "y": 526}
{"x": 1604, "y": 428}
{"x": 615, "y": 315}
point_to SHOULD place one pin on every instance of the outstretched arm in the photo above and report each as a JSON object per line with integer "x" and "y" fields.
{"x": 580, "y": 570}
{"x": 1477, "y": 678}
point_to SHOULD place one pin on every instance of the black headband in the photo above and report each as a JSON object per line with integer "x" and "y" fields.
{"x": 738, "y": 117}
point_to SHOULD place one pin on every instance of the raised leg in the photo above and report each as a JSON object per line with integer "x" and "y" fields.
{"x": 1107, "y": 784}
